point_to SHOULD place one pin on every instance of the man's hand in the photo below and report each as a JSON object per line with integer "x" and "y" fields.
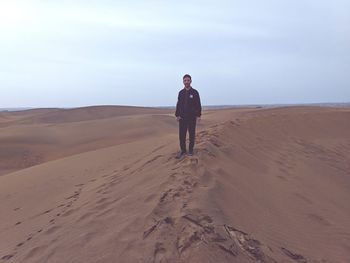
{"x": 178, "y": 118}
{"x": 199, "y": 119}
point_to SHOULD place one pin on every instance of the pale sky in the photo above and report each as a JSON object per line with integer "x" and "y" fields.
{"x": 79, "y": 53}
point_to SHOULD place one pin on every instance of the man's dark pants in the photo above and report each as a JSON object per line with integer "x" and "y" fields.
{"x": 187, "y": 124}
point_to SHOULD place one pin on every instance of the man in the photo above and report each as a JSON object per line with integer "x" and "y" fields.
{"x": 188, "y": 111}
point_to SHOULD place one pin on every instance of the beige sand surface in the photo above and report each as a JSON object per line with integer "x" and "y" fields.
{"x": 100, "y": 184}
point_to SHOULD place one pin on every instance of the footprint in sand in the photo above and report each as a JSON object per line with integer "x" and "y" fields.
{"x": 51, "y": 230}
{"x": 304, "y": 198}
{"x": 159, "y": 253}
{"x": 319, "y": 219}
{"x": 169, "y": 220}
{"x": 69, "y": 212}
{"x": 102, "y": 200}
{"x": 295, "y": 256}
{"x": 7, "y": 257}
{"x": 150, "y": 230}
{"x": 20, "y": 244}
{"x": 47, "y": 211}
{"x": 105, "y": 212}
{"x": 85, "y": 216}
{"x": 165, "y": 194}
{"x": 35, "y": 251}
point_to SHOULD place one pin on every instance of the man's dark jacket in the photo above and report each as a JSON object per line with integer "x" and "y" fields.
{"x": 188, "y": 104}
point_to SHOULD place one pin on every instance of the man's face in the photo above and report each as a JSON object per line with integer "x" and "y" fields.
{"x": 187, "y": 82}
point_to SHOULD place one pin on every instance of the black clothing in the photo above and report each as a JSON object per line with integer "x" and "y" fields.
{"x": 188, "y": 104}
{"x": 188, "y": 107}
{"x": 184, "y": 125}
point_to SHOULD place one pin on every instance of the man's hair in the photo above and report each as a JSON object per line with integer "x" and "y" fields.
{"x": 187, "y": 76}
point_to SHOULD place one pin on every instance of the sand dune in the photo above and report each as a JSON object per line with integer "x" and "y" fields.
{"x": 265, "y": 185}
{"x": 33, "y": 139}
{"x": 55, "y": 115}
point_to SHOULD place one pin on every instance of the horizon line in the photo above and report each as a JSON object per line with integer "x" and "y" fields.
{"x": 344, "y": 104}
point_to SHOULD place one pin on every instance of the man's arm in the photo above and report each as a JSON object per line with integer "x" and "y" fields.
{"x": 177, "y": 111}
{"x": 199, "y": 106}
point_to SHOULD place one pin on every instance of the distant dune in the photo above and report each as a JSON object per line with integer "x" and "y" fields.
{"x": 100, "y": 184}
{"x": 35, "y": 136}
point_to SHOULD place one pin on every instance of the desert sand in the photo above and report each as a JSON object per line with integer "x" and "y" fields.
{"x": 101, "y": 184}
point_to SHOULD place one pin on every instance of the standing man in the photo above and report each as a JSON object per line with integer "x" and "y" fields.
{"x": 188, "y": 111}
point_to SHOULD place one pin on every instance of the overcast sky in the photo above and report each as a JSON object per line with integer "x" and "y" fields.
{"x": 78, "y": 53}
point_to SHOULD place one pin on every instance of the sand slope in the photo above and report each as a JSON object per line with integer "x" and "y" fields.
{"x": 41, "y": 135}
{"x": 265, "y": 185}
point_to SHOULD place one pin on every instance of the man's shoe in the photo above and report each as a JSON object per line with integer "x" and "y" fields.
{"x": 190, "y": 153}
{"x": 180, "y": 155}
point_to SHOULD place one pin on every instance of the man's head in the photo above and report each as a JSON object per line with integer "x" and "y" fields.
{"x": 187, "y": 80}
